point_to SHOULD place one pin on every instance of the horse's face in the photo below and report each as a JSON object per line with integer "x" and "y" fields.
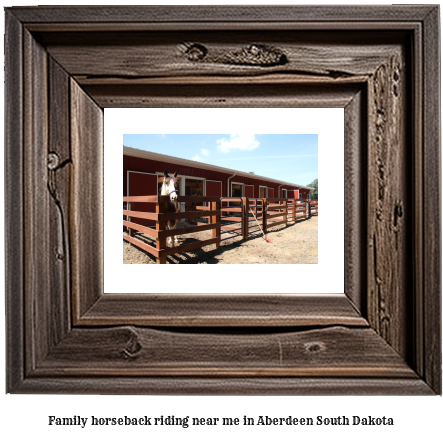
{"x": 171, "y": 185}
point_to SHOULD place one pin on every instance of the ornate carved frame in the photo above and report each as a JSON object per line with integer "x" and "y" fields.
{"x": 64, "y": 65}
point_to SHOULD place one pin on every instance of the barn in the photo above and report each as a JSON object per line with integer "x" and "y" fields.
{"x": 143, "y": 176}
{"x": 216, "y": 213}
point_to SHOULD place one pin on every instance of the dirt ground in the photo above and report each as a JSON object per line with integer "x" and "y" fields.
{"x": 296, "y": 243}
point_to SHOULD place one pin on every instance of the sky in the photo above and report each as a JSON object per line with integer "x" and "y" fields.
{"x": 286, "y": 157}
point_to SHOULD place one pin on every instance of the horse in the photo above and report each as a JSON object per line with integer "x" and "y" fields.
{"x": 170, "y": 187}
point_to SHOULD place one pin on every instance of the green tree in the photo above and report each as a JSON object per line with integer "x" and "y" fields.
{"x": 314, "y": 193}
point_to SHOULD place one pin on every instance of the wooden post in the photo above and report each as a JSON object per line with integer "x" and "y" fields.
{"x": 131, "y": 231}
{"x": 245, "y": 217}
{"x": 160, "y": 226}
{"x": 243, "y": 205}
{"x": 265, "y": 213}
{"x": 285, "y": 209}
{"x": 215, "y": 219}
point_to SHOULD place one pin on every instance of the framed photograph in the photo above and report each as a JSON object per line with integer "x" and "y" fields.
{"x": 65, "y": 65}
{"x": 232, "y": 168}
{"x": 285, "y": 153}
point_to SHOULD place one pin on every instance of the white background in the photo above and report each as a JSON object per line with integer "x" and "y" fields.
{"x": 328, "y": 123}
{"x": 27, "y": 414}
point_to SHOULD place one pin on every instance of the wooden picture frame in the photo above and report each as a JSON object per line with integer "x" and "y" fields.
{"x": 379, "y": 63}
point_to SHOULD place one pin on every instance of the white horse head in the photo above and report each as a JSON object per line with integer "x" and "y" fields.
{"x": 170, "y": 186}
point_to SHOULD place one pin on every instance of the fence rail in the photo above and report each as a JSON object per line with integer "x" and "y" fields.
{"x": 279, "y": 213}
{"x": 241, "y": 216}
{"x": 232, "y": 217}
{"x": 160, "y": 233}
{"x": 313, "y": 205}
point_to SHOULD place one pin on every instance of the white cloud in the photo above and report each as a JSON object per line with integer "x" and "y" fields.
{"x": 197, "y": 158}
{"x": 244, "y": 142}
{"x": 205, "y": 152}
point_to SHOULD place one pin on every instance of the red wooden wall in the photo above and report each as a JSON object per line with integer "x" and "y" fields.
{"x": 151, "y": 166}
{"x": 250, "y": 191}
{"x": 142, "y": 184}
{"x": 295, "y": 193}
{"x": 213, "y": 188}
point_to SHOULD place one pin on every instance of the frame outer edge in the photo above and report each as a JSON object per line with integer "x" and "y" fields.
{"x": 14, "y": 202}
{"x": 221, "y": 13}
{"x": 432, "y": 202}
{"x": 228, "y": 386}
{"x": 14, "y": 236}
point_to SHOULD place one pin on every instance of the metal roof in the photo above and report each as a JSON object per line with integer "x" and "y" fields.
{"x": 133, "y": 152}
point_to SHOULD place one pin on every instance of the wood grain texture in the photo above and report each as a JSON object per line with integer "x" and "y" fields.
{"x": 238, "y": 95}
{"x": 163, "y": 54}
{"x": 234, "y": 310}
{"x": 59, "y": 165}
{"x": 419, "y": 234}
{"x": 225, "y": 14}
{"x": 431, "y": 316}
{"x": 37, "y": 305}
{"x": 86, "y": 209}
{"x": 288, "y": 386}
{"x": 129, "y": 351}
{"x": 14, "y": 204}
{"x": 76, "y": 61}
{"x": 387, "y": 204}
{"x": 355, "y": 196}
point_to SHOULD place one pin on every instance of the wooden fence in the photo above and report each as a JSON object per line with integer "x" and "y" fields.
{"x": 211, "y": 211}
{"x": 299, "y": 209}
{"x": 276, "y": 213}
{"x": 313, "y": 205}
{"x": 219, "y": 214}
{"x": 232, "y": 216}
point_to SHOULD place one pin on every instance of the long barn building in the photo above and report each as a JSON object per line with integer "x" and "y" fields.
{"x": 143, "y": 176}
